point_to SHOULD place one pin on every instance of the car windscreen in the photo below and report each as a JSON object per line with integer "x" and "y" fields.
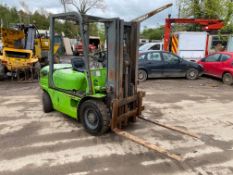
{"x": 145, "y": 47}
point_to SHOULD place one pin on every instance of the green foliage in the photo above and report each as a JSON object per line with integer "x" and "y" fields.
{"x": 93, "y": 29}
{"x": 153, "y": 34}
{"x": 102, "y": 36}
{"x": 8, "y": 15}
{"x": 208, "y": 9}
{"x": 204, "y": 9}
{"x": 41, "y": 20}
{"x": 212, "y": 10}
{"x": 196, "y": 9}
{"x": 12, "y": 16}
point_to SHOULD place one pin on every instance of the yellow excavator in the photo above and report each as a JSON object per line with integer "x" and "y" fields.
{"x": 24, "y": 52}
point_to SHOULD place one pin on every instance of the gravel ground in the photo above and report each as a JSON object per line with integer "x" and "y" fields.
{"x": 34, "y": 143}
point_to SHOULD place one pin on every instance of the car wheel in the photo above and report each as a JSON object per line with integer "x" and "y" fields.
{"x": 142, "y": 75}
{"x": 94, "y": 117}
{"x": 227, "y": 79}
{"x": 192, "y": 74}
{"x": 47, "y": 103}
{"x": 2, "y": 72}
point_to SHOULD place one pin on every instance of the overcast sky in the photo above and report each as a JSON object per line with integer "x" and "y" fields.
{"x": 125, "y": 9}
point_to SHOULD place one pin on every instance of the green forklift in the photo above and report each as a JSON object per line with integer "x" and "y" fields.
{"x": 100, "y": 97}
{"x": 105, "y": 97}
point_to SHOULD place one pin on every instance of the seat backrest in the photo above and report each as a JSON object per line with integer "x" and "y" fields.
{"x": 78, "y": 64}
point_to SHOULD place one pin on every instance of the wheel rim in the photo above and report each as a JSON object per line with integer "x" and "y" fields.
{"x": 141, "y": 75}
{"x": 227, "y": 78}
{"x": 91, "y": 119}
{"x": 192, "y": 74}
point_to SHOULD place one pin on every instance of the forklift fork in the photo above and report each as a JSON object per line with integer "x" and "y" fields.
{"x": 133, "y": 109}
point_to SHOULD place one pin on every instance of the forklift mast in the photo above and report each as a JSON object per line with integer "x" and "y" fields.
{"x": 151, "y": 13}
{"x": 122, "y": 58}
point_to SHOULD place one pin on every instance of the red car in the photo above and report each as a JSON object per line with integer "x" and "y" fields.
{"x": 78, "y": 48}
{"x": 219, "y": 65}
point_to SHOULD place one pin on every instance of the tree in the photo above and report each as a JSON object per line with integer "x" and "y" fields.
{"x": 153, "y": 34}
{"x": 40, "y": 17}
{"x": 25, "y": 9}
{"x": 83, "y": 6}
{"x": 208, "y": 9}
{"x": 40, "y": 20}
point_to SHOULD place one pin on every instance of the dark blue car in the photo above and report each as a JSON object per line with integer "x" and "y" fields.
{"x": 156, "y": 64}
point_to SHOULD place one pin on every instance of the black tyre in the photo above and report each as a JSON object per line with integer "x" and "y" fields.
{"x": 192, "y": 74}
{"x": 75, "y": 53}
{"x": 37, "y": 68}
{"x": 142, "y": 75}
{"x": 2, "y": 72}
{"x": 47, "y": 103}
{"x": 95, "y": 117}
{"x": 227, "y": 79}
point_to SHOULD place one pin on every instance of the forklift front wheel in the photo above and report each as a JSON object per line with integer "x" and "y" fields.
{"x": 94, "y": 117}
{"x": 47, "y": 103}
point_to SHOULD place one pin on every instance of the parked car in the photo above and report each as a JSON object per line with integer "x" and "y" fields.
{"x": 78, "y": 48}
{"x": 219, "y": 65}
{"x": 151, "y": 46}
{"x": 155, "y": 64}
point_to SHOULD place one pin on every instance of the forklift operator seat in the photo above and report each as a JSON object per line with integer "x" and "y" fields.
{"x": 78, "y": 64}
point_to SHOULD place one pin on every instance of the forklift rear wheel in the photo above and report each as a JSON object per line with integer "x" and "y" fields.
{"x": 2, "y": 72}
{"x": 192, "y": 74}
{"x": 47, "y": 103}
{"x": 227, "y": 79}
{"x": 142, "y": 75}
{"x": 94, "y": 117}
